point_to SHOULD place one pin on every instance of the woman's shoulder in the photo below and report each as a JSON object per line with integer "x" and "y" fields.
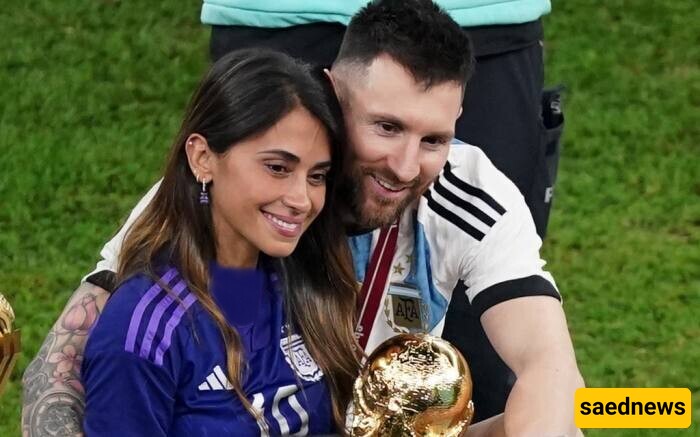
{"x": 146, "y": 315}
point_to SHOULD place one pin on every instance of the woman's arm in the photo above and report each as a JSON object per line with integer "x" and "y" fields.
{"x": 127, "y": 395}
{"x": 128, "y": 391}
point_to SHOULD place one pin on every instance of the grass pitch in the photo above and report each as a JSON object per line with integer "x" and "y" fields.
{"x": 92, "y": 93}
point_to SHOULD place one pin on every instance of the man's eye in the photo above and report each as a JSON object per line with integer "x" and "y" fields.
{"x": 435, "y": 141}
{"x": 388, "y": 128}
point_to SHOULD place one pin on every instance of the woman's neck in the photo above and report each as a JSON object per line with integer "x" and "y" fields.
{"x": 232, "y": 249}
{"x": 236, "y": 253}
{"x": 236, "y": 259}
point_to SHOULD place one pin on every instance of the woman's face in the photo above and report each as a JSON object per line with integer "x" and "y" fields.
{"x": 268, "y": 189}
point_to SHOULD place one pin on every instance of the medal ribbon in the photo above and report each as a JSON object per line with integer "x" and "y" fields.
{"x": 375, "y": 282}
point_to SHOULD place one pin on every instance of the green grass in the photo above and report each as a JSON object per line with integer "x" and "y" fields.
{"x": 92, "y": 93}
{"x": 624, "y": 237}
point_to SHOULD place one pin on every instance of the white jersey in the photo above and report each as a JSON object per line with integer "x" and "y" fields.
{"x": 472, "y": 225}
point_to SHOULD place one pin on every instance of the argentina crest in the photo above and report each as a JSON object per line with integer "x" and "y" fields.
{"x": 404, "y": 310}
{"x": 298, "y": 357}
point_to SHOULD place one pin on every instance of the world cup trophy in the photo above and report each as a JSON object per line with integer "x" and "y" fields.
{"x": 413, "y": 385}
{"x": 9, "y": 342}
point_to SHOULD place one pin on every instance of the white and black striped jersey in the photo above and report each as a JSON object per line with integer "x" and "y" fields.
{"x": 471, "y": 225}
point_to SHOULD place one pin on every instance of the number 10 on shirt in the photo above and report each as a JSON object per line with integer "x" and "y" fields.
{"x": 288, "y": 392}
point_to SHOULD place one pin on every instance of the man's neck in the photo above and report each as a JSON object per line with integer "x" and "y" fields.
{"x": 352, "y": 225}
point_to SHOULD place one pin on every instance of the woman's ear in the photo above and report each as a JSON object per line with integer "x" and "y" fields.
{"x": 200, "y": 157}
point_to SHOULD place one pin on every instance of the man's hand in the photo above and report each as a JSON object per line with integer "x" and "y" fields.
{"x": 531, "y": 336}
{"x": 54, "y": 401}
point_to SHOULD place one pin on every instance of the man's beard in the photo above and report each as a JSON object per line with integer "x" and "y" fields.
{"x": 381, "y": 212}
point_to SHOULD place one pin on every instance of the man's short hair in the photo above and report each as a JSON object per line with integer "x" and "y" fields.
{"x": 417, "y": 34}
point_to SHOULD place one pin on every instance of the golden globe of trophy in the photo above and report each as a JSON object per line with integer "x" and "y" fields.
{"x": 413, "y": 385}
{"x": 9, "y": 341}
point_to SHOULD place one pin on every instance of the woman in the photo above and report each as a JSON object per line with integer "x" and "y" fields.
{"x": 227, "y": 320}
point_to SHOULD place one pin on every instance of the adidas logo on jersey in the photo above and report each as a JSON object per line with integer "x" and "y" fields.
{"x": 216, "y": 380}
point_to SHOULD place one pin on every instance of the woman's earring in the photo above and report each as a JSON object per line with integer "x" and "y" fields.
{"x": 203, "y": 195}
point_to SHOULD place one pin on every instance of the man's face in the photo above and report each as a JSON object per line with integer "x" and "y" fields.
{"x": 399, "y": 133}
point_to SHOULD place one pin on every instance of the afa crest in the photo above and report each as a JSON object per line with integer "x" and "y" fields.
{"x": 299, "y": 358}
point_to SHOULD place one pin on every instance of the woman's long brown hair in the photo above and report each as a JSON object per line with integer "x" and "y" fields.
{"x": 244, "y": 94}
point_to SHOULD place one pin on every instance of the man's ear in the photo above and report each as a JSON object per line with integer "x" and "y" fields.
{"x": 200, "y": 158}
{"x": 339, "y": 78}
{"x": 329, "y": 76}
{"x": 459, "y": 114}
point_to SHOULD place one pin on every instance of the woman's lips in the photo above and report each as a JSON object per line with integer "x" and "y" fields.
{"x": 285, "y": 226}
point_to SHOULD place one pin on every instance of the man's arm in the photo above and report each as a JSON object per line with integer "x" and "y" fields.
{"x": 531, "y": 335}
{"x": 491, "y": 427}
{"x": 53, "y": 394}
{"x": 54, "y": 399}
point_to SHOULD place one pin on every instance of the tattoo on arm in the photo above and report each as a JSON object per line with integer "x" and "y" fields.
{"x": 54, "y": 401}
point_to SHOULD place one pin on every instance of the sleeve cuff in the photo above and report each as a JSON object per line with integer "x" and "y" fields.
{"x": 534, "y": 285}
{"x": 105, "y": 279}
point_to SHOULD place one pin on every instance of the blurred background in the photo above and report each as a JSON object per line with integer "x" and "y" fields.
{"x": 91, "y": 94}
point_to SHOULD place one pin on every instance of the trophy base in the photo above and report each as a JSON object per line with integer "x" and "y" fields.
{"x": 10, "y": 345}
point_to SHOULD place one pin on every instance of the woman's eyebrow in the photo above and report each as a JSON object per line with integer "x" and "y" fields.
{"x": 282, "y": 154}
{"x": 288, "y": 156}
{"x": 322, "y": 165}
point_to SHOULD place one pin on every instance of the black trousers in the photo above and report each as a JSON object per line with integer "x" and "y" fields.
{"x": 501, "y": 115}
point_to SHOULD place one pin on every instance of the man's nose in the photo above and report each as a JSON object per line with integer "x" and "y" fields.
{"x": 403, "y": 162}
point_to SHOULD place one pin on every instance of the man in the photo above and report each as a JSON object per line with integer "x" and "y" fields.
{"x": 502, "y": 114}
{"x": 424, "y": 215}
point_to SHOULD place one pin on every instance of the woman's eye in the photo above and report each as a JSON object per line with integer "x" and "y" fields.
{"x": 278, "y": 169}
{"x": 318, "y": 179}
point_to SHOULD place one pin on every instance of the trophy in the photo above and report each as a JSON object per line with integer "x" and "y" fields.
{"x": 9, "y": 341}
{"x": 413, "y": 385}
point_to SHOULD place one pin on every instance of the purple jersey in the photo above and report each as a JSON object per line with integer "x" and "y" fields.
{"x": 155, "y": 363}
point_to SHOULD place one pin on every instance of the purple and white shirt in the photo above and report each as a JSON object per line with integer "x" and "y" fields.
{"x": 155, "y": 362}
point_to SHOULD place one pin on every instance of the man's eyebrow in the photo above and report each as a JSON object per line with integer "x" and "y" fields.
{"x": 400, "y": 124}
{"x": 388, "y": 118}
{"x": 447, "y": 135}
